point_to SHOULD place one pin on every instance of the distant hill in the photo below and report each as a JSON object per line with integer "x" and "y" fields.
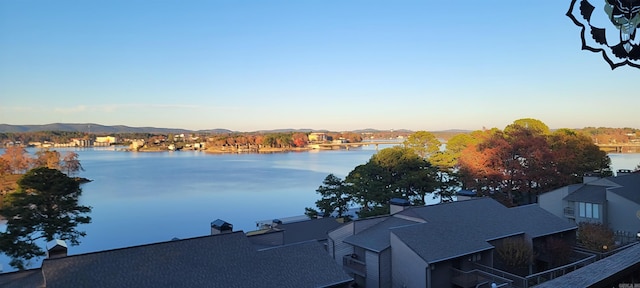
{"x": 88, "y": 128}
{"x": 105, "y": 129}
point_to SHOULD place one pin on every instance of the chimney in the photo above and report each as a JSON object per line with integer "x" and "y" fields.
{"x": 56, "y": 249}
{"x": 398, "y": 204}
{"x": 220, "y": 227}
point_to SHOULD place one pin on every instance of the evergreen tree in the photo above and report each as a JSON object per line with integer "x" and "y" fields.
{"x": 45, "y": 207}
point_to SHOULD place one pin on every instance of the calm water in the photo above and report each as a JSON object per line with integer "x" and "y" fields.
{"x": 140, "y": 198}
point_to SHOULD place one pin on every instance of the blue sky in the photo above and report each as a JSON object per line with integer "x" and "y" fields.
{"x": 325, "y": 64}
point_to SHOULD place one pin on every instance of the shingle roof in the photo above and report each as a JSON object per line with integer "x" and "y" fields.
{"x": 630, "y": 186}
{"x": 315, "y": 229}
{"x": 376, "y": 237}
{"x": 588, "y": 193}
{"x": 225, "y": 260}
{"x": 464, "y": 227}
{"x": 21, "y": 279}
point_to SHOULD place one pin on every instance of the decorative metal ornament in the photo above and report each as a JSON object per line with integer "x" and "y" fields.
{"x": 611, "y": 27}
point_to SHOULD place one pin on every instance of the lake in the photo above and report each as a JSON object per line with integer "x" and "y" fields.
{"x": 140, "y": 198}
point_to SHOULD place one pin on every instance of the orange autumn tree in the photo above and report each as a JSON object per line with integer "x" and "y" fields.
{"x": 526, "y": 159}
{"x": 17, "y": 159}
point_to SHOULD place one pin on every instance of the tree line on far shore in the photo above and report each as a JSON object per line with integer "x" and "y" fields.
{"x": 513, "y": 165}
{"x": 16, "y": 160}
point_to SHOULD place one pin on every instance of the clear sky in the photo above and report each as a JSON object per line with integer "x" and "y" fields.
{"x": 317, "y": 64}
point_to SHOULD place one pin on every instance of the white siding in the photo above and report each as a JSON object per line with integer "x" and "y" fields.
{"x": 552, "y": 201}
{"x": 338, "y": 248}
{"x": 373, "y": 269}
{"x": 407, "y": 268}
{"x": 623, "y": 214}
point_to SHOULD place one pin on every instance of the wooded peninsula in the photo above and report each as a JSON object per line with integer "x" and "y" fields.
{"x": 225, "y": 141}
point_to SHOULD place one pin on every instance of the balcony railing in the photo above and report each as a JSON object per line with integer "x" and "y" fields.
{"x": 580, "y": 259}
{"x": 353, "y": 265}
{"x": 475, "y": 278}
{"x": 569, "y": 212}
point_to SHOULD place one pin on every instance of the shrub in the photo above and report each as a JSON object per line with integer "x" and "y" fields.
{"x": 515, "y": 252}
{"x": 595, "y": 237}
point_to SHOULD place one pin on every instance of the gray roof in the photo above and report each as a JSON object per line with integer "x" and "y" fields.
{"x": 597, "y": 273}
{"x": 464, "y": 227}
{"x": 315, "y": 229}
{"x": 589, "y": 194}
{"x": 225, "y": 260}
{"x": 436, "y": 242}
{"x": 630, "y": 186}
{"x": 21, "y": 279}
{"x": 376, "y": 237}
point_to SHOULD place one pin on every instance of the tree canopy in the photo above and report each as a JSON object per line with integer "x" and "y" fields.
{"x": 45, "y": 207}
{"x": 396, "y": 172}
{"x": 519, "y": 163}
{"x": 422, "y": 143}
{"x": 513, "y": 166}
{"x": 334, "y": 198}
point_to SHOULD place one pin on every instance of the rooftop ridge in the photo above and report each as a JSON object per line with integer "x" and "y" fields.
{"x": 141, "y": 245}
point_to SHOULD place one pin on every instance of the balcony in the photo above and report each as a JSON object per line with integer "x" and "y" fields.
{"x": 353, "y": 265}
{"x": 477, "y": 278}
{"x": 569, "y": 212}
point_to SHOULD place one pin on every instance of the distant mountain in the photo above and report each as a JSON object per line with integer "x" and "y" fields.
{"x": 285, "y": 130}
{"x": 88, "y": 128}
{"x": 104, "y": 129}
{"x": 367, "y": 130}
{"x": 216, "y": 131}
{"x": 454, "y": 131}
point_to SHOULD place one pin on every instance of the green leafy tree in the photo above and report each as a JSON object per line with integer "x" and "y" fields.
{"x": 534, "y": 125}
{"x": 45, "y": 207}
{"x": 448, "y": 159}
{"x": 368, "y": 186}
{"x": 410, "y": 176}
{"x": 333, "y": 198}
{"x": 422, "y": 143}
{"x": 396, "y": 172}
{"x": 447, "y": 163}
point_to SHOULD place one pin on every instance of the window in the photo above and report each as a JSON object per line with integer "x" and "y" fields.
{"x": 589, "y": 210}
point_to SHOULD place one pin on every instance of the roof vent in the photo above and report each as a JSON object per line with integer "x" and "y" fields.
{"x": 56, "y": 249}
{"x": 220, "y": 227}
